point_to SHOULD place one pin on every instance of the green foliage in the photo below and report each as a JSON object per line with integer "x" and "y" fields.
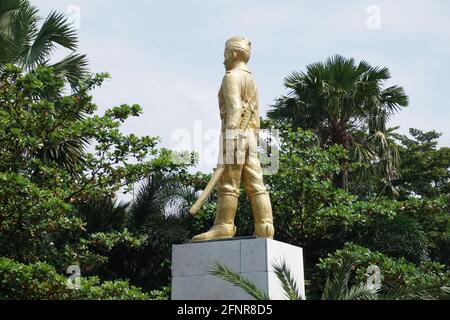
{"x": 61, "y": 211}
{"x": 399, "y": 237}
{"x": 163, "y": 294}
{"x": 337, "y": 286}
{"x": 27, "y": 42}
{"x": 224, "y": 273}
{"x": 428, "y": 280}
{"x": 302, "y": 192}
{"x": 288, "y": 283}
{"x": 103, "y": 215}
{"x": 433, "y": 215}
{"x": 345, "y": 103}
{"x": 425, "y": 168}
{"x": 58, "y": 202}
{"x": 416, "y": 229}
{"x": 147, "y": 227}
{"x": 39, "y": 281}
{"x": 309, "y": 211}
{"x": 383, "y": 225}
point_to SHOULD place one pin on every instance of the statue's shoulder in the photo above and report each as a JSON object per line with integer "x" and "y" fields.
{"x": 230, "y": 76}
{"x": 231, "y": 73}
{"x": 235, "y": 75}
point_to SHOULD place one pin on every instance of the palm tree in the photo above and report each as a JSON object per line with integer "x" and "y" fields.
{"x": 24, "y": 44}
{"x": 282, "y": 272}
{"x": 160, "y": 211}
{"x": 382, "y": 162}
{"x": 344, "y": 103}
{"x": 161, "y": 199}
{"x": 336, "y": 288}
{"x": 103, "y": 215}
{"x": 223, "y": 272}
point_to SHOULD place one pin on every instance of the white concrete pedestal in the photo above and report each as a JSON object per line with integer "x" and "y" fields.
{"x": 253, "y": 258}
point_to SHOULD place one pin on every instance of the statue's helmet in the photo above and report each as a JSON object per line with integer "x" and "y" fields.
{"x": 239, "y": 43}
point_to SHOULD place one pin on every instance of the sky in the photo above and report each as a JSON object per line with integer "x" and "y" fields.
{"x": 167, "y": 55}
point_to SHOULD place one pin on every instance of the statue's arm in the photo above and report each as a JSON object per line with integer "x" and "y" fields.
{"x": 233, "y": 103}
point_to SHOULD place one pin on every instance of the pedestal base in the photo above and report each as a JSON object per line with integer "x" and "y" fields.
{"x": 252, "y": 258}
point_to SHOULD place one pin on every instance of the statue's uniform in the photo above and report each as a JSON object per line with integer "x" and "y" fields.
{"x": 238, "y": 97}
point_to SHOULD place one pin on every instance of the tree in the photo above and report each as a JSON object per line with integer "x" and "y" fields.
{"x": 434, "y": 219}
{"x": 347, "y": 278}
{"x": 398, "y": 237}
{"x": 158, "y": 215}
{"x": 23, "y": 43}
{"x": 41, "y": 202}
{"x": 399, "y": 279}
{"x": 310, "y": 212}
{"x": 344, "y": 103}
{"x": 425, "y": 168}
{"x": 40, "y": 281}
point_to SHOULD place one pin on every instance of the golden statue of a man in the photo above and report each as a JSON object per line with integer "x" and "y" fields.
{"x": 239, "y": 111}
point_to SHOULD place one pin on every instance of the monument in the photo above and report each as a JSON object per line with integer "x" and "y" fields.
{"x": 238, "y": 162}
{"x": 239, "y": 111}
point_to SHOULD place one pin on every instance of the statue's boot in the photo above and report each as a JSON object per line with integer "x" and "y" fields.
{"x": 224, "y": 225}
{"x": 262, "y": 213}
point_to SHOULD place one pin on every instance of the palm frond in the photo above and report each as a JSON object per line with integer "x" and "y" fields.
{"x": 345, "y": 103}
{"x": 394, "y": 98}
{"x": 288, "y": 282}
{"x": 224, "y": 273}
{"x": 7, "y": 8}
{"x": 423, "y": 292}
{"x": 362, "y": 152}
{"x": 17, "y": 22}
{"x": 293, "y": 79}
{"x": 73, "y": 68}
{"x": 338, "y": 287}
{"x": 103, "y": 215}
{"x": 55, "y": 30}
{"x": 377, "y": 74}
{"x": 360, "y": 292}
{"x": 159, "y": 197}
{"x": 69, "y": 154}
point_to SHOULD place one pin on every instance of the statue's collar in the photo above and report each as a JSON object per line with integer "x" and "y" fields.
{"x": 241, "y": 68}
{"x": 245, "y": 68}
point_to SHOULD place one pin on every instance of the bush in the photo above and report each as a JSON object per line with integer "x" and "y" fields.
{"x": 40, "y": 281}
{"x": 399, "y": 237}
{"x": 396, "y": 274}
{"x": 434, "y": 217}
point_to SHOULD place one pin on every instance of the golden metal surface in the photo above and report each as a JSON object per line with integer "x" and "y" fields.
{"x": 239, "y": 112}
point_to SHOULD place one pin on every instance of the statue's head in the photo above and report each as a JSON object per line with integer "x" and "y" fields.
{"x": 237, "y": 50}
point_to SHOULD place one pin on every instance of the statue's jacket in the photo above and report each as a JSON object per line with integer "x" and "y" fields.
{"x": 237, "y": 97}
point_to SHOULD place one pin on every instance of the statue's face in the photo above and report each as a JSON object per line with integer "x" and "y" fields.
{"x": 230, "y": 59}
